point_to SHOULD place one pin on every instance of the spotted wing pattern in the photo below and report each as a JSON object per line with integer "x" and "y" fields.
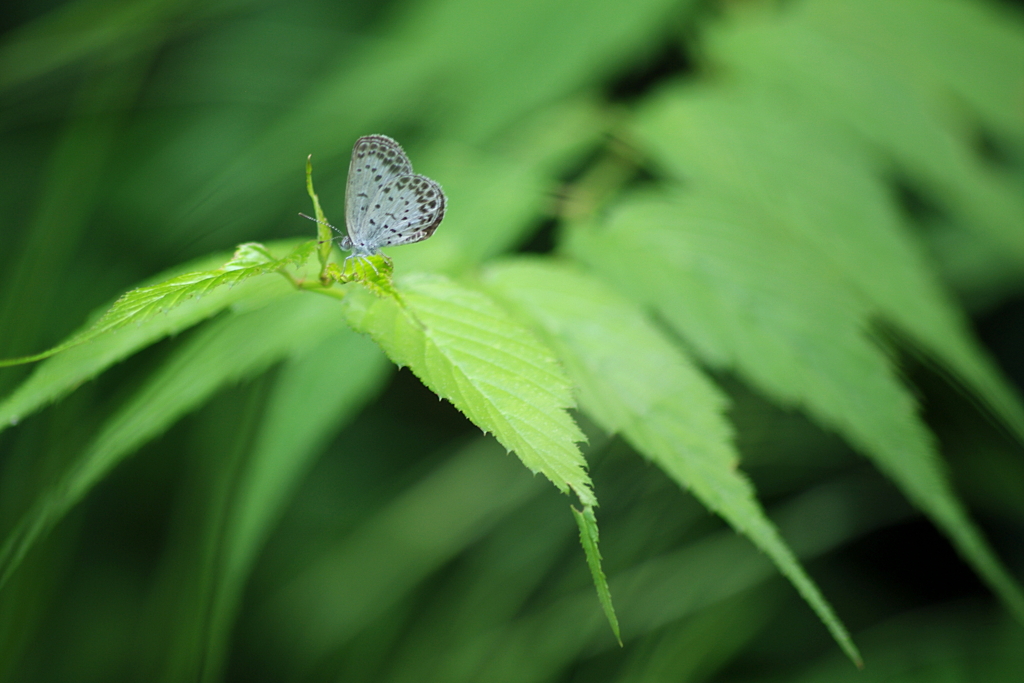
{"x": 376, "y": 161}
{"x": 386, "y": 203}
{"x": 406, "y": 210}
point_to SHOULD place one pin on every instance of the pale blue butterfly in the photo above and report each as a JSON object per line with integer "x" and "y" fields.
{"x": 386, "y": 204}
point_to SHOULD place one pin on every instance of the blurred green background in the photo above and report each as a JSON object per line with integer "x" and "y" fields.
{"x": 137, "y": 135}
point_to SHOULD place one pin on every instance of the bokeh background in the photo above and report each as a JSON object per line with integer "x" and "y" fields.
{"x": 138, "y": 135}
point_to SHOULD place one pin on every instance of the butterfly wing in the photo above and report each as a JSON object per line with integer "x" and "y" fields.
{"x": 377, "y": 160}
{"x": 408, "y": 209}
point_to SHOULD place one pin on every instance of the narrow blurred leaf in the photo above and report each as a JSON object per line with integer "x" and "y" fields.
{"x": 634, "y": 381}
{"x": 76, "y": 30}
{"x": 558, "y": 48}
{"x": 544, "y": 643}
{"x": 66, "y": 198}
{"x": 697, "y": 647}
{"x": 469, "y": 352}
{"x": 520, "y": 555}
{"x": 314, "y": 395}
{"x": 229, "y": 349}
{"x": 360, "y": 577}
{"x": 949, "y": 644}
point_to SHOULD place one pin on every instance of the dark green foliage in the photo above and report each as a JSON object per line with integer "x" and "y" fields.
{"x": 768, "y": 234}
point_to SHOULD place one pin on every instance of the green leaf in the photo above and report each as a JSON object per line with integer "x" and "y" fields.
{"x": 469, "y": 352}
{"x": 750, "y": 299}
{"x": 141, "y": 305}
{"x": 227, "y": 350}
{"x": 814, "y": 185}
{"x": 142, "y": 317}
{"x": 588, "y": 538}
{"x": 913, "y": 39}
{"x": 866, "y": 94}
{"x": 636, "y": 382}
{"x": 819, "y": 57}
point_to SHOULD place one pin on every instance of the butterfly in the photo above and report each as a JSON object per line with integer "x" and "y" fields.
{"x": 386, "y": 204}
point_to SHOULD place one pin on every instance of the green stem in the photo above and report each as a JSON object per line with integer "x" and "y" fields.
{"x": 323, "y": 231}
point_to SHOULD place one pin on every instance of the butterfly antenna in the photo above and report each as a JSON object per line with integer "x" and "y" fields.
{"x": 317, "y": 220}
